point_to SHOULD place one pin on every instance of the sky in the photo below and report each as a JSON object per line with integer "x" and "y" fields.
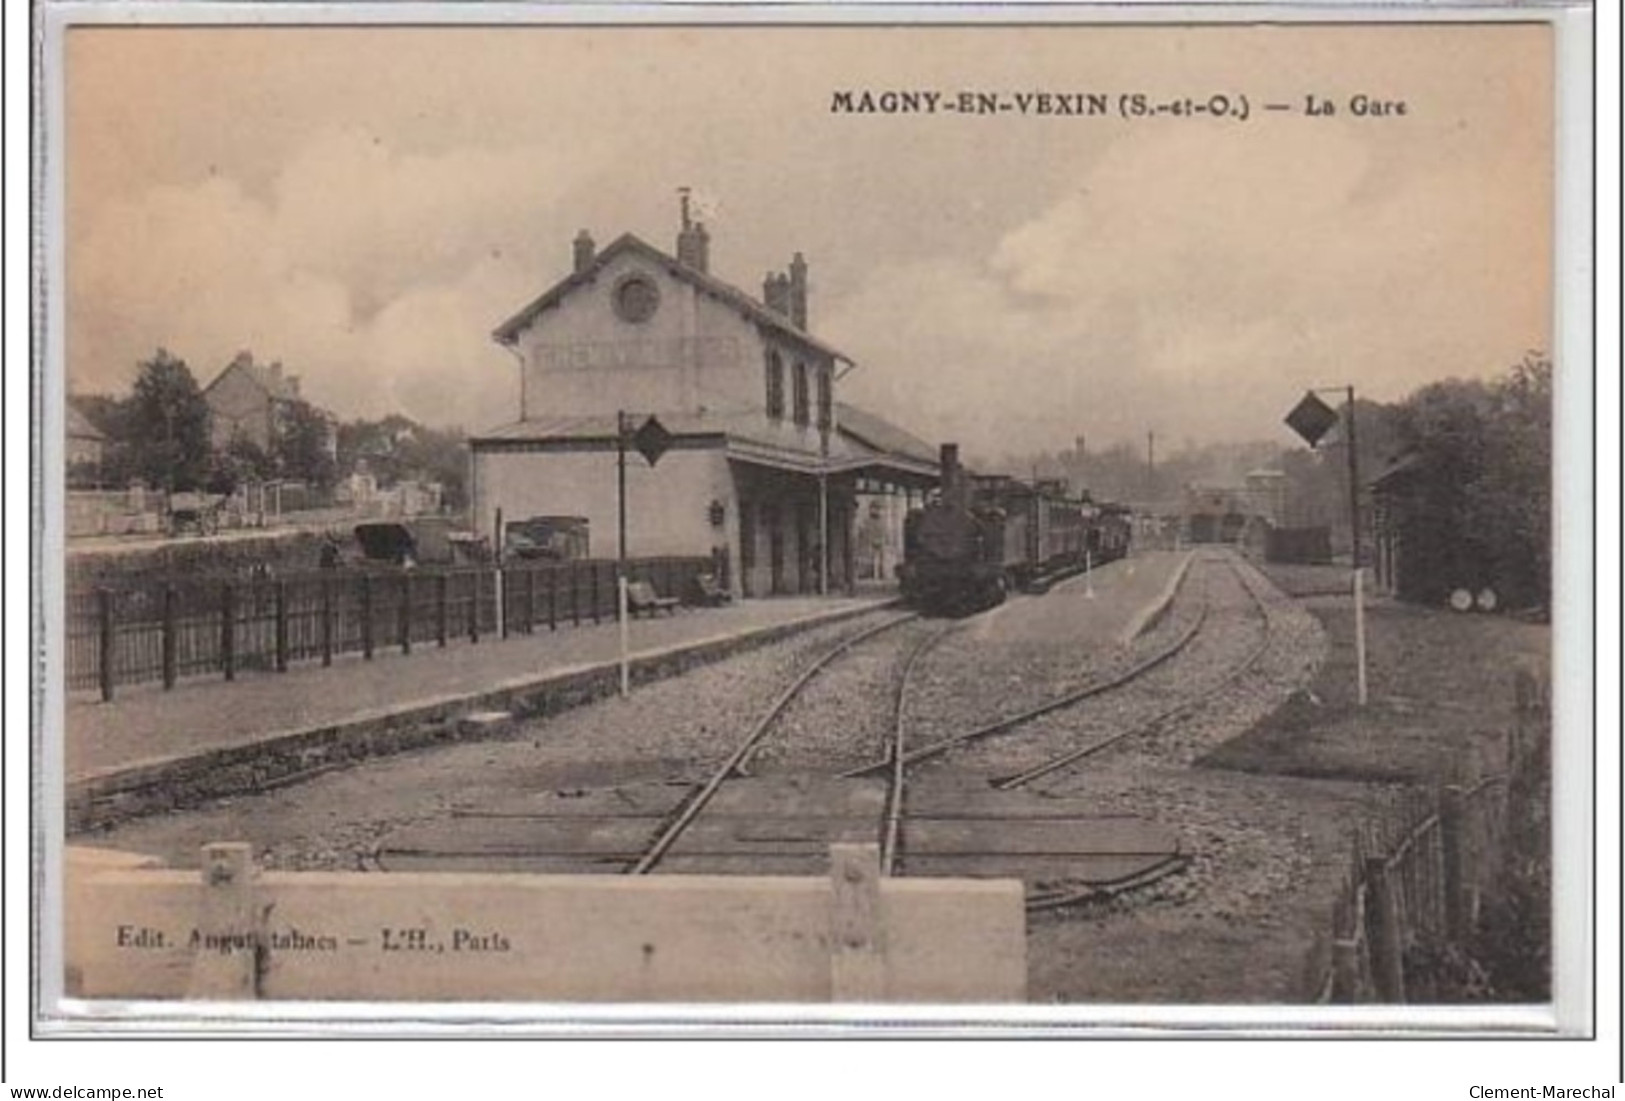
{"x": 365, "y": 204}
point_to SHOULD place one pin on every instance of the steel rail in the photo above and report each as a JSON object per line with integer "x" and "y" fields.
{"x": 999, "y": 726}
{"x": 891, "y": 835}
{"x": 1100, "y": 892}
{"x": 691, "y": 807}
{"x": 1008, "y": 783}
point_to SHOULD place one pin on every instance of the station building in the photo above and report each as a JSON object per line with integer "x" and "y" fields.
{"x": 765, "y": 469}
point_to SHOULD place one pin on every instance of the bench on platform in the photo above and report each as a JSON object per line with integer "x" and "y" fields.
{"x": 708, "y": 593}
{"x": 641, "y": 597}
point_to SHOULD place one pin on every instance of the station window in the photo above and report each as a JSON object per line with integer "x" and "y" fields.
{"x": 826, "y": 401}
{"x": 800, "y": 383}
{"x": 775, "y": 386}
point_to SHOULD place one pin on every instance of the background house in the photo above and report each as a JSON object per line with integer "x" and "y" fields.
{"x": 86, "y": 449}
{"x": 248, "y": 400}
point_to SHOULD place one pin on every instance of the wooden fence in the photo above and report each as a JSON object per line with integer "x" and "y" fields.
{"x": 121, "y": 635}
{"x": 1417, "y": 877}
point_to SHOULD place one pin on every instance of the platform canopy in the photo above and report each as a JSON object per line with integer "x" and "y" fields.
{"x": 861, "y": 444}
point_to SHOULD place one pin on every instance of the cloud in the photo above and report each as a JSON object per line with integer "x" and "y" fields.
{"x": 1187, "y": 284}
{"x": 1187, "y": 279}
{"x": 434, "y": 345}
{"x": 374, "y": 273}
{"x": 383, "y": 219}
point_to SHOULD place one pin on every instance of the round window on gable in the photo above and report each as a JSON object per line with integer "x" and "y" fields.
{"x": 636, "y": 298}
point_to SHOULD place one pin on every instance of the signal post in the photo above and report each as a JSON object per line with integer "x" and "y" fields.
{"x": 1311, "y": 419}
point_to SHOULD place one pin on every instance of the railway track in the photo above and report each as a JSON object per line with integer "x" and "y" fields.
{"x": 736, "y": 763}
{"x": 1057, "y": 703}
{"x": 753, "y": 812}
{"x": 1182, "y": 707}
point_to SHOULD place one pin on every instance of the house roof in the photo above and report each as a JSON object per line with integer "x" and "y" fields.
{"x": 267, "y": 377}
{"x": 750, "y": 435}
{"x": 508, "y": 332}
{"x": 81, "y": 427}
{"x": 1397, "y": 471}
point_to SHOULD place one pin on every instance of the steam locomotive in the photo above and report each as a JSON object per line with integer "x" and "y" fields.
{"x": 985, "y": 536}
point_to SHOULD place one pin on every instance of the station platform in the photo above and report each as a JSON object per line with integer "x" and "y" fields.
{"x": 1112, "y": 605}
{"x": 146, "y": 726}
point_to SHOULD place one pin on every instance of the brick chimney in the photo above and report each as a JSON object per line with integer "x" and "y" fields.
{"x": 693, "y": 243}
{"x": 694, "y": 247}
{"x": 798, "y": 291}
{"x": 776, "y": 292}
{"x": 585, "y": 251}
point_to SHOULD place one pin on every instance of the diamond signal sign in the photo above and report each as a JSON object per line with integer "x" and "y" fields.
{"x": 1311, "y": 418}
{"x": 652, "y": 440}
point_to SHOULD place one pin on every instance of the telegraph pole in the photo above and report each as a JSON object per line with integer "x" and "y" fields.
{"x": 1354, "y": 551}
{"x": 1354, "y": 484}
{"x": 652, "y": 441}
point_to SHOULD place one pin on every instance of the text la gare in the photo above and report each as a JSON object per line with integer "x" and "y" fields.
{"x": 1359, "y": 105}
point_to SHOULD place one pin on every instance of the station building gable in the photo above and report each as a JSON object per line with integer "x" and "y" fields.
{"x": 636, "y": 328}
{"x": 760, "y": 474}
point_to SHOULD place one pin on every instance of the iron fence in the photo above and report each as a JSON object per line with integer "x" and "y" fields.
{"x": 166, "y": 631}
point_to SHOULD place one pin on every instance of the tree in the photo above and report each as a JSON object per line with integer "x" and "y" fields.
{"x": 303, "y": 448}
{"x": 167, "y": 426}
{"x": 438, "y": 456}
{"x": 1514, "y": 491}
{"x": 396, "y": 448}
{"x": 241, "y": 460}
{"x": 1479, "y": 512}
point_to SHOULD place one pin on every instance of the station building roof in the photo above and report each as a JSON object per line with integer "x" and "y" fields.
{"x": 882, "y": 435}
{"x": 508, "y": 332}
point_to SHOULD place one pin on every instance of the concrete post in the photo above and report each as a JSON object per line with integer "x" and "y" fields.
{"x": 857, "y": 948}
{"x": 225, "y": 966}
